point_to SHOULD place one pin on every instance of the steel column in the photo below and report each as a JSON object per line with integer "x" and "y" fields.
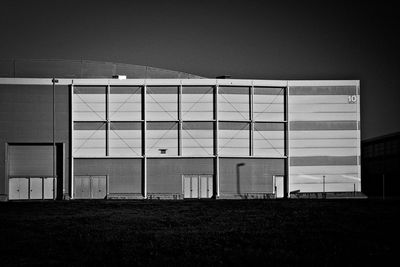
{"x": 108, "y": 120}
{"x": 251, "y": 117}
{"x": 71, "y": 147}
{"x": 144, "y": 134}
{"x": 286, "y": 141}
{"x": 180, "y": 120}
{"x": 216, "y": 142}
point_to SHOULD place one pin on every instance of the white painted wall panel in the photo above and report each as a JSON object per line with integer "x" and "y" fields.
{"x": 125, "y": 107}
{"x": 302, "y": 116}
{"x": 125, "y": 143}
{"x": 89, "y": 107}
{"x": 322, "y": 151}
{"x": 89, "y": 143}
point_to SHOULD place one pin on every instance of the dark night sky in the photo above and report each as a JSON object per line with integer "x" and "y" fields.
{"x": 245, "y": 39}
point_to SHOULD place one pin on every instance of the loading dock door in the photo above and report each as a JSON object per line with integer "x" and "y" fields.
{"x": 197, "y": 186}
{"x": 90, "y": 187}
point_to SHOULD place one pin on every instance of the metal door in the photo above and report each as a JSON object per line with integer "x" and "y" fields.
{"x": 99, "y": 187}
{"x": 82, "y": 187}
{"x": 195, "y": 187}
{"x": 35, "y": 188}
{"x": 203, "y": 186}
{"x": 279, "y": 186}
{"x": 18, "y": 188}
{"x": 186, "y": 186}
{"x": 48, "y": 187}
{"x": 210, "y": 186}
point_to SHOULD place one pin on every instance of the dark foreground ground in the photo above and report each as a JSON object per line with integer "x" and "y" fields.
{"x": 248, "y": 232}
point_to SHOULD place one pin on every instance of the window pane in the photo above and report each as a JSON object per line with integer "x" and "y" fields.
{"x": 89, "y": 139}
{"x": 268, "y": 104}
{"x": 197, "y": 103}
{"x": 162, "y": 103}
{"x": 125, "y": 103}
{"x": 197, "y": 139}
{"x": 234, "y": 103}
{"x": 89, "y": 103}
{"x": 162, "y": 139}
{"x": 234, "y": 139}
{"x": 125, "y": 139}
{"x": 269, "y": 139}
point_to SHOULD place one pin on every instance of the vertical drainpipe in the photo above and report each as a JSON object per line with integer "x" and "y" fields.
{"x": 144, "y": 134}
{"x": 287, "y": 137}
{"x": 216, "y": 141}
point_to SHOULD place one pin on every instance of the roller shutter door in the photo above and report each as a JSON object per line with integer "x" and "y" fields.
{"x": 30, "y": 161}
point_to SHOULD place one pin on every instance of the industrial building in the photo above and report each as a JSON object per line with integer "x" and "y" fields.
{"x": 91, "y": 130}
{"x": 381, "y": 166}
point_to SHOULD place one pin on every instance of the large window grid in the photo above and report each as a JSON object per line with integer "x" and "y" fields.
{"x": 199, "y": 121}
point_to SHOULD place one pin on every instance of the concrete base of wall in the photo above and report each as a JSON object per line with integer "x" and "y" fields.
{"x": 3, "y": 197}
{"x": 124, "y": 196}
{"x": 173, "y": 196}
{"x": 330, "y": 195}
{"x": 248, "y": 196}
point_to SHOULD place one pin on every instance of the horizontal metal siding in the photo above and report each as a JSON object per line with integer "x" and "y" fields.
{"x": 165, "y": 175}
{"x": 324, "y": 138}
{"x": 255, "y": 176}
{"x": 124, "y": 175}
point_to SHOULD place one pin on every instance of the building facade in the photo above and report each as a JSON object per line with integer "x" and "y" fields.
{"x": 175, "y": 138}
{"x": 381, "y": 166}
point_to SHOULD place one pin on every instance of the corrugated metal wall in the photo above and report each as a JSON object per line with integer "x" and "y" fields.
{"x": 243, "y": 175}
{"x": 26, "y": 117}
{"x": 124, "y": 175}
{"x": 165, "y": 175}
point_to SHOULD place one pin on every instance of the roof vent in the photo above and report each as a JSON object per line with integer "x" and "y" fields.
{"x": 119, "y": 77}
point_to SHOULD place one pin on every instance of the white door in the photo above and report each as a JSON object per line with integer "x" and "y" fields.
{"x": 82, "y": 187}
{"x": 13, "y": 188}
{"x": 203, "y": 186}
{"x": 210, "y": 186}
{"x": 195, "y": 187}
{"x": 36, "y": 188}
{"x": 279, "y": 186}
{"x": 48, "y": 187}
{"x": 98, "y": 186}
{"x": 18, "y": 188}
{"x": 206, "y": 186}
{"x": 186, "y": 186}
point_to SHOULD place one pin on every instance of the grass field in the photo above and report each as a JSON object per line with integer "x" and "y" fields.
{"x": 238, "y": 232}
